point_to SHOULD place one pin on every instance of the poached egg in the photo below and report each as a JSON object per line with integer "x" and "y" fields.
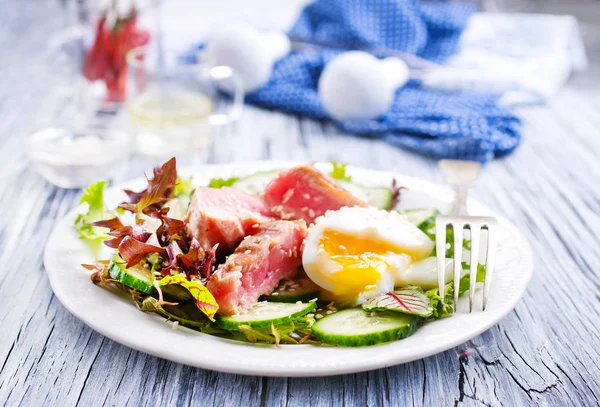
{"x": 356, "y": 253}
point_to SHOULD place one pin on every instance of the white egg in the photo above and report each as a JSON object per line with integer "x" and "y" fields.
{"x": 356, "y": 253}
{"x": 424, "y": 273}
{"x": 249, "y": 52}
{"x": 356, "y": 85}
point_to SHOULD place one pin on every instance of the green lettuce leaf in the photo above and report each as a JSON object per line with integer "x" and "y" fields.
{"x": 222, "y": 182}
{"x": 293, "y": 332}
{"x": 339, "y": 171}
{"x": 443, "y": 309}
{"x": 429, "y": 230}
{"x": 180, "y": 313}
{"x": 274, "y": 335}
{"x": 183, "y": 187}
{"x": 466, "y": 244}
{"x": 93, "y": 196}
{"x": 464, "y": 283}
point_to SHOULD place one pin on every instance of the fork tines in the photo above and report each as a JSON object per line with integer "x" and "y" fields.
{"x": 474, "y": 224}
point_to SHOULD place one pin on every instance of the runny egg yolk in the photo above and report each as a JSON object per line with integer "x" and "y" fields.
{"x": 362, "y": 260}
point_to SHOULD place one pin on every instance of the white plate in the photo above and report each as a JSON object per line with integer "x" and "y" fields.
{"x": 118, "y": 319}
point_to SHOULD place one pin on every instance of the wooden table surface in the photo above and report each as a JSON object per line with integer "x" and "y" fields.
{"x": 546, "y": 352}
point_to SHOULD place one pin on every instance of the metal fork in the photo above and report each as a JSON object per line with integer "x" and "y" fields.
{"x": 462, "y": 175}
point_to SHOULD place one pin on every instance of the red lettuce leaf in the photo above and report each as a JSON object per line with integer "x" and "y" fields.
{"x": 173, "y": 250}
{"x": 169, "y": 227}
{"x": 408, "y": 300}
{"x": 119, "y": 231}
{"x": 102, "y": 278}
{"x": 112, "y": 224}
{"x": 133, "y": 251}
{"x": 100, "y": 272}
{"x": 197, "y": 263}
{"x": 160, "y": 189}
{"x": 396, "y": 193}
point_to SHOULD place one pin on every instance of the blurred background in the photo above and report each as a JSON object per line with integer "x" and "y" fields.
{"x": 106, "y": 82}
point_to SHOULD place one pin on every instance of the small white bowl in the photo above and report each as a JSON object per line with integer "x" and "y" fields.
{"x": 71, "y": 159}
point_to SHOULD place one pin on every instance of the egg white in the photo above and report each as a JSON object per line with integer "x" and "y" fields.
{"x": 423, "y": 273}
{"x": 374, "y": 225}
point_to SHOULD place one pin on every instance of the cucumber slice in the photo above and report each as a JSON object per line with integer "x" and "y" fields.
{"x": 256, "y": 183}
{"x": 356, "y": 327}
{"x": 136, "y": 277}
{"x": 266, "y": 313}
{"x": 379, "y": 197}
{"x": 424, "y": 219}
{"x": 302, "y": 290}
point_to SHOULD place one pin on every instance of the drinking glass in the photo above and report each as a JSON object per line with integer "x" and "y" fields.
{"x": 175, "y": 108}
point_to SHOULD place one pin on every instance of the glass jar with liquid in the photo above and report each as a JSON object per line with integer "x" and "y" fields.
{"x": 176, "y": 108}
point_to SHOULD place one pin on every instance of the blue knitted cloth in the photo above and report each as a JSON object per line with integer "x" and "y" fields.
{"x": 427, "y": 29}
{"x": 435, "y": 123}
{"x": 440, "y": 124}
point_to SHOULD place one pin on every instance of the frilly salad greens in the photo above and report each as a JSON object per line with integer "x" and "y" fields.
{"x": 426, "y": 304}
{"x": 338, "y": 171}
{"x": 93, "y": 197}
{"x": 164, "y": 270}
{"x": 222, "y": 182}
{"x": 154, "y": 256}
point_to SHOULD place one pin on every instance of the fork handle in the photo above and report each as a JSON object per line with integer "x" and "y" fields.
{"x": 460, "y": 204}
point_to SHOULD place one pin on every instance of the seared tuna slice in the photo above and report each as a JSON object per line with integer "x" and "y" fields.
{"x": 306, "y": 193}
{"x": 224, "y": 216}
{"x": 257, "y": 266}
